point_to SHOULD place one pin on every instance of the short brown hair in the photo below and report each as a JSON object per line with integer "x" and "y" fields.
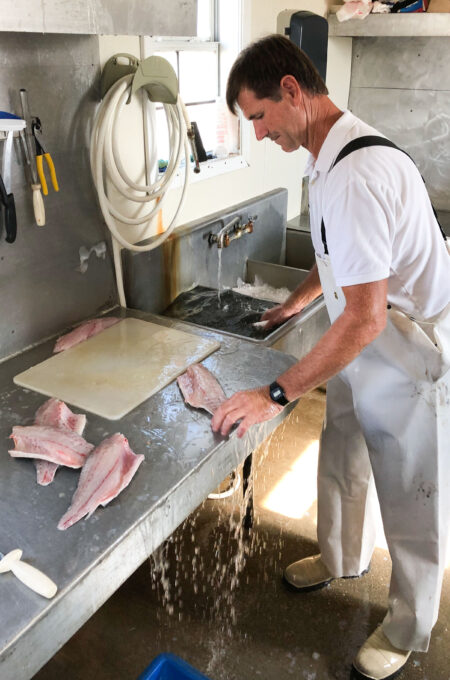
{"x": 261, "y": 66}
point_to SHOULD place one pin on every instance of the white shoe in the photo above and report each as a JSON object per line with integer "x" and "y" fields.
{"x": 378, "y": 659}
{"x": 308, "y": 574}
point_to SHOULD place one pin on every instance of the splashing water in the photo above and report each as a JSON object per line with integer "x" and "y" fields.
{"x": 204, "y": 562}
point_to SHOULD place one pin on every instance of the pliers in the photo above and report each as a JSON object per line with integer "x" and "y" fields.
{"x": 40, "y": 154}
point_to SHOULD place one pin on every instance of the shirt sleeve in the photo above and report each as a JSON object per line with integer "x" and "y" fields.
{"x": 359, "y": 232}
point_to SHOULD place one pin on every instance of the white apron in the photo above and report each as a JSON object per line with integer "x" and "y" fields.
{"x": 388, "y": 426}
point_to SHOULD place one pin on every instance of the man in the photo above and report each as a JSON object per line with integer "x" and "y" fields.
{"x": 383, "y": 268}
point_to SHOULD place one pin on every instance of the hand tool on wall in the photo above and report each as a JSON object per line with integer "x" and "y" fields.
{"x": 30, "y": 576}
{"x": 7, "y": 200}
{"x": 9, "y": 124}
{"x": 27, "y": 138}
{"x": 41, "y": 153}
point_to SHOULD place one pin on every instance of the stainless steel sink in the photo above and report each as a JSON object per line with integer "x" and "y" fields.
{"x": 300, "y": 333}
{"x": 297, "y": 336}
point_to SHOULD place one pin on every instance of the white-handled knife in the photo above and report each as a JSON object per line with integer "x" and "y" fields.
{"x": 30, "y": 576}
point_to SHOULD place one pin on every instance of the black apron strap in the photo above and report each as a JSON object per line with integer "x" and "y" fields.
{"x": 362, "y": 143}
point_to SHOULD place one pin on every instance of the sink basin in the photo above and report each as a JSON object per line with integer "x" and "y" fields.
{"x": 234, "y": 313}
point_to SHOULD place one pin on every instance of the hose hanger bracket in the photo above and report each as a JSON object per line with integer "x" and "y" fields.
{"x": 158, "y": 77}
{"x": 117, "y": 67}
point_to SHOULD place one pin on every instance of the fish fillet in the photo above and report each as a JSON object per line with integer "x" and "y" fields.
{"x": 200, "y": 388}
{"x": 49, "y": 443}
{"x": 108, "y": 470}
{"x": 55, "y": 413}
{"x": 83, "y": 332}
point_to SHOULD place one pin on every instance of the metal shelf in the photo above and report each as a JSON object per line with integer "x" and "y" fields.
{"x": 391, "y": 25}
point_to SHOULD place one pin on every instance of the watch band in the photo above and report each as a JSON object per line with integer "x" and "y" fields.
{"x": 277, "y": 394}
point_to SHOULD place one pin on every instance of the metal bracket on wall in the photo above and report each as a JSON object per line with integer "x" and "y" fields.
{"x": 117, "y": 67}
{"x": 158, "y": 77}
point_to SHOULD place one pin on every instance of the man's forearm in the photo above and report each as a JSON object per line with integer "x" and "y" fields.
{"x": 357, "y": 326}
{"x": 307, "y": 291}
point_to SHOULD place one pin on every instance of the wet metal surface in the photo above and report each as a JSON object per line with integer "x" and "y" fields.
{"x": 230, "y": 312}
{"x": 184, "y": 461}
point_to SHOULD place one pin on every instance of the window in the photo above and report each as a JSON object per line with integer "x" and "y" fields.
{"x": 202, "y": 64}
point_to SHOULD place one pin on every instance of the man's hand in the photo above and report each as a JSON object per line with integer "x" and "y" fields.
{"x": 277, "y": 315}
{"x": 250, "y": 407}
{"x": 308, "y": 290}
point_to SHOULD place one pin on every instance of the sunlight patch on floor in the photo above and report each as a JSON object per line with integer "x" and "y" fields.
{"x": 296, "y": 491}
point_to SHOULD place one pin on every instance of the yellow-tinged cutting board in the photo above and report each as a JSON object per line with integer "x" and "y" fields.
{"x": 114, "y": 371}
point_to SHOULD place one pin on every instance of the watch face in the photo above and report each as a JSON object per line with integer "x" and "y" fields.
{"x": 277, "y": 394}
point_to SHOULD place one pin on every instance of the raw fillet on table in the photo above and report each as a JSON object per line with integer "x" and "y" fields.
{"x": 55, "y": 413}
{"x": 49, "y": 443}
{"x": 200, "y": 388}
{"x": 108, "y": 470}
{"x": 83, "y": 332}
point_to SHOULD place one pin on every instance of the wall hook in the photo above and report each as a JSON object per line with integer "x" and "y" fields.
{"x": 157, "y": 76}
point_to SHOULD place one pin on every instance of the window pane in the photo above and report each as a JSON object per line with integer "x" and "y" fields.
{"x": 198, "y": 75}
{"x": 162, "y": 134}
{"x": 171, "y": 57}
{"x": 204, "y": 20}
{"x": 205, "y": 117}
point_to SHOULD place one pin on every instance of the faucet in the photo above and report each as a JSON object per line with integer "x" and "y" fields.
{"x": 231, "y": 231}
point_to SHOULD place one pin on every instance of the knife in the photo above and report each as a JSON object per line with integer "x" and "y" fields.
{"x": 27, "y": 139}
{"x": 6, "y": 196}
{"x": 7, "y": 199}
{"x": 30, "y": 576}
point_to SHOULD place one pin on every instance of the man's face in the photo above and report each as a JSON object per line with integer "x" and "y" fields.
{"x": 284, "y": 121}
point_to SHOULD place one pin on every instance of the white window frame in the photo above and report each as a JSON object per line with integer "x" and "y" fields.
{"x": 149, "y": 45}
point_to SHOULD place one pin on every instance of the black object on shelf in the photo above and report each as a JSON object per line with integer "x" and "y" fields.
{"x": 309, "y": 31}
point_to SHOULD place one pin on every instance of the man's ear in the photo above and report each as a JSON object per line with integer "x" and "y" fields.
{"x": 290, "y": 86}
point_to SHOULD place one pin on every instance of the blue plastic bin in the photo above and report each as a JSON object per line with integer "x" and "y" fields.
{"x": 170, "y": 667}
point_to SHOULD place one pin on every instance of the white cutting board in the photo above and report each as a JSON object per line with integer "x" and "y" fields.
{"x": 114, "y": 371}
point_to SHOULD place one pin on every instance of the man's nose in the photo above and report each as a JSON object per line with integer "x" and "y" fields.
{"x": 261, "y": 130}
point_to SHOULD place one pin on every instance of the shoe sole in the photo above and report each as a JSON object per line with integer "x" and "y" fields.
{"x": 306, "y": 589}
{"x": 319, "y": 586}
{"x": 357, "y": 675}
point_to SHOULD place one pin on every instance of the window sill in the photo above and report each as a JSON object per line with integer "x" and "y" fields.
{"x": 212, "y": 168}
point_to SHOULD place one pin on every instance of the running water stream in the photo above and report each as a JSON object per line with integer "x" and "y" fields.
{"x": 219, "y": 273}
{"x": 198, "y": 572}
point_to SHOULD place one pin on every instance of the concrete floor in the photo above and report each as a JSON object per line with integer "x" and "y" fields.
{"x": 214, "y": 596}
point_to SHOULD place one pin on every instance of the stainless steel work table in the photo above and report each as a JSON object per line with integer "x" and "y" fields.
{"x": 184, "y": 461}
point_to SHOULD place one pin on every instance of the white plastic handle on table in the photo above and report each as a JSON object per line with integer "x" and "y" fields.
{"x": 38, "y": 205}
{"x": 30, "y": 576}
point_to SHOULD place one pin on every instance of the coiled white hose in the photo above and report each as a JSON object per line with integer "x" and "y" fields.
{"x": 107, "y": 168}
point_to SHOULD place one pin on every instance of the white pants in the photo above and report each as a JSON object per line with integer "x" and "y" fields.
{"x": 387, "y": 432}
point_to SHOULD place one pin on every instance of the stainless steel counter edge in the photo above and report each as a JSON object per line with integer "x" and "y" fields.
{"x": 58, "y": 619}
{"x": 26, "y": 655}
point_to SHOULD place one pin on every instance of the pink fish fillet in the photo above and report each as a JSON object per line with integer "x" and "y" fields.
{"x": 55, "y": 413}
{"x": 49, "y": 443}
{"x": 108, "y": 470}
{"x": 83, "y": 332}
{"x": 200, "y": 388}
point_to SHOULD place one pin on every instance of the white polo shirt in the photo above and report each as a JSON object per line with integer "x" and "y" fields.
{"x": 379, "y": 221}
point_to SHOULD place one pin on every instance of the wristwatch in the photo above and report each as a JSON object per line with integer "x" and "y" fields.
{"x": 277, "y": 394}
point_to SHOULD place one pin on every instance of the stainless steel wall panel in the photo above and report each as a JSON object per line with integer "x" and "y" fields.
{"x": 110, "y": 17}
{"x": 402, "y": 87}
{"x": 43, "y": 289}
{"x": 405, "y": 63}
{"x": 419, "y": 122}
{"x": 154, "y": 279}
